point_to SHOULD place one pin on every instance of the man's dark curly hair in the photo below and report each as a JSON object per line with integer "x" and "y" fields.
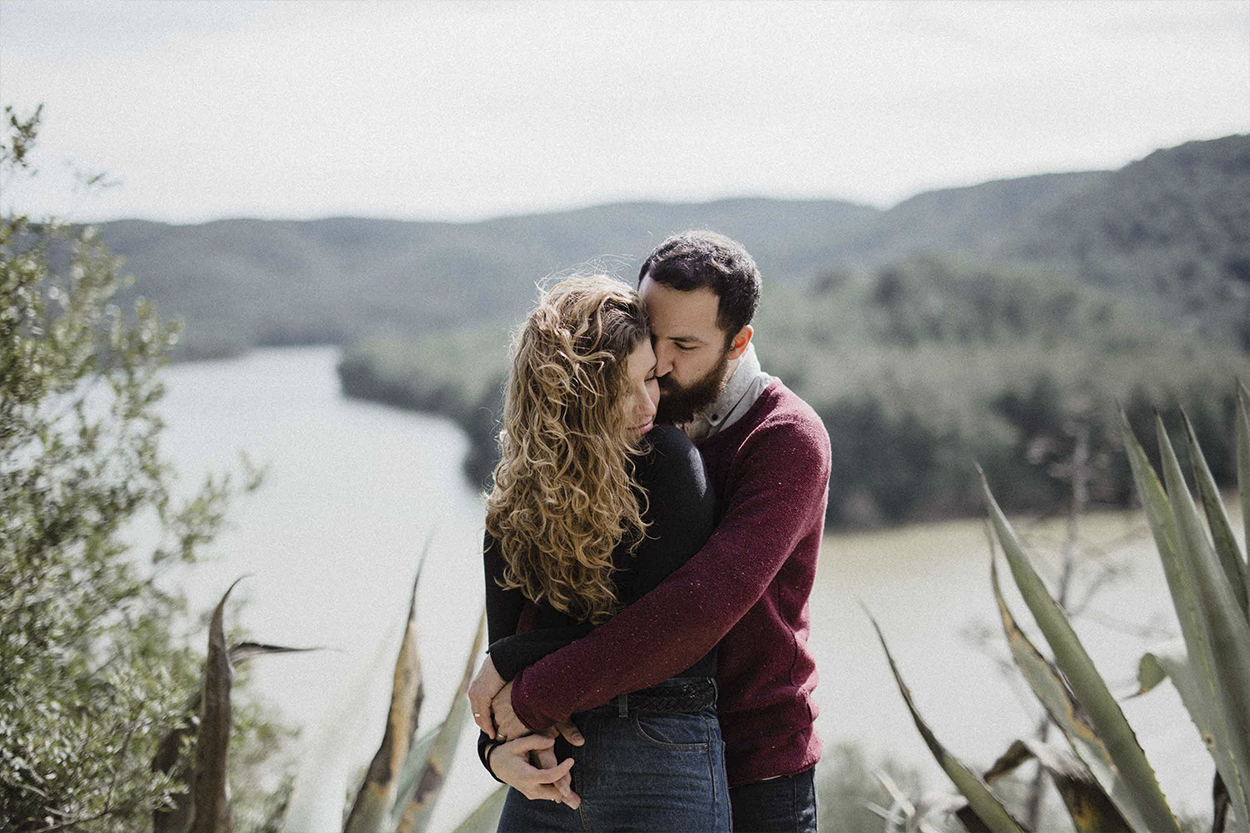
{"x": 696, "y": 258}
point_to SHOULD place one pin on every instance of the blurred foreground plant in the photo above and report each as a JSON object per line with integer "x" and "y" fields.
{"x": 401, "y": 786}
{"x": 1102, "y": 774}
{"x": 91, "y": 673}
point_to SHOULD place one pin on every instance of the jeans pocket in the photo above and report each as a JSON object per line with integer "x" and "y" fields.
{"x": 675, "y": 731}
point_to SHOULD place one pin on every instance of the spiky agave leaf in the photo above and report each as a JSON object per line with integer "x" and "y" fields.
{"x": 986, "y": 812}
{"x": 175, "y": 819}
{"x": 1091, "y": 690}
{"x": 210, "y": 792}
{"x": 1063, "y": 708}
{"x": 486, "y": 817}
{"x": 1194, "y": 626}
{"x": 377, "y": 794}
{"x": 1226, "y": 548}
{"x": 1091, "y": 809}
{"x": 321, "y": 780}
{"x": 420, "y": 807}
{"x": 1243, "y": 467}
{"x": 1171, "y": 661}
{"x": 1227, "y": 629}
{"x": 1044, "y": 678}
{"x": 410, "y": 775}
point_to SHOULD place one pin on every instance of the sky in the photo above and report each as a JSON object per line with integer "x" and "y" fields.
{"x": 463, "y": 111}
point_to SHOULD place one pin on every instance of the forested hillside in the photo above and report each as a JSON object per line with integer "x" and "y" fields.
{"x": 994, "y": 323}
{"x": 1172, "y": 229}
{"x": 919, "y": 370}
{"x": 252, "y": 282}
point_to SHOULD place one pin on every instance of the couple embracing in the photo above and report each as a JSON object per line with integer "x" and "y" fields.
{"x": 651, "y": 542}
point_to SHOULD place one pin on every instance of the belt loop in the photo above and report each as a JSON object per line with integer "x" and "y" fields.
{"x": 622, "y": 705}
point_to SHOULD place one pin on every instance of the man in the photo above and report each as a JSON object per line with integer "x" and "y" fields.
{"x": 767, "y": 455}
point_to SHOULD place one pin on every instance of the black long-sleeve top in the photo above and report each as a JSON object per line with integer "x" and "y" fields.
{"x": 680, "y": 517}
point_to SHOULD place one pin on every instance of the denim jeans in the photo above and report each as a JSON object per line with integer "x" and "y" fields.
{"x": 778, "y": 805}
{"x": 641, "y": 771}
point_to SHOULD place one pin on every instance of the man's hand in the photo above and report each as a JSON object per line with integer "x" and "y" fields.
{"x": 549, "y": 781}
{"x": 510, "y": 726}
{"x": 486, "y": 685}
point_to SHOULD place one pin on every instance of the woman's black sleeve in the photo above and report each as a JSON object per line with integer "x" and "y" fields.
{"x": 514, "y": 653}
{"x": 503, "y": 611}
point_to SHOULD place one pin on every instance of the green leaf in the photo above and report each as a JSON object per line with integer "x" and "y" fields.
{"x": 1163, "y": 526}
{"x": 1172, "y": 661}
{"x": 1064, "y": 710}
{"x": 988, "y": 810}
{"x": 175, "y": 819}
{"x": 210, "y": 810}
{"x": 1091, "y": 809}
{"x": 410, "y": 775}
{"x": 420, "y": 807}
{"x": 1227, "y": 628}
{"x": 1217, "y": 519}
{"x": 1044, "y": 678}
{"x": 1243, "y": 466}
{"x": 328, "y": 756}
{"x": 1088, "y": 685}
{"x": 377, "y": 793}
{"x": 486, "y": 817}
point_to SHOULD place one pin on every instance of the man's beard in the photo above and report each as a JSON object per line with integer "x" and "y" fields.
{"x": 678, "y": 404}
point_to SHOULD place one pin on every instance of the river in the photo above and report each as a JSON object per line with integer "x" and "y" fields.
{"x": 354, "y": 490}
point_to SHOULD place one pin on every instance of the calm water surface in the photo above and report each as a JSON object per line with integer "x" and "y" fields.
{"x": 353, "y": 491}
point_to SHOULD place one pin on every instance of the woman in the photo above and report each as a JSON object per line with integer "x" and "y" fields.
{"x": 593, "y": 506}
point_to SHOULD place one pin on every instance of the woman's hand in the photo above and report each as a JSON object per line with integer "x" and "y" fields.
{"x": 485, "y": 686}
{"x": 549, "y": 781}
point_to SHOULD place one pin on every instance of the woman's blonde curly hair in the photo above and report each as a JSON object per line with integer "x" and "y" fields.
{"x": 562, "y": 497}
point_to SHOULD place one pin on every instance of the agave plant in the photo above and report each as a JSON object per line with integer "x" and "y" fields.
{"x": 1102, "y": 774}
{"x": 401, "y": 786}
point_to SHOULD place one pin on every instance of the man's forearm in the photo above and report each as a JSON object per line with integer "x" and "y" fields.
{"x": 674, "y": 625}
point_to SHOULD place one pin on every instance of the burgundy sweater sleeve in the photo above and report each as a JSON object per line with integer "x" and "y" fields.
{"x": 781, "y": 474}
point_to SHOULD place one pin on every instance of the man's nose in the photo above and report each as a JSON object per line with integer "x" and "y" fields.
{"x": 663, "y": 360}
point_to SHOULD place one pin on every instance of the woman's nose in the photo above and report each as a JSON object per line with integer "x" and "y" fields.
{"x": 645, "y": 407}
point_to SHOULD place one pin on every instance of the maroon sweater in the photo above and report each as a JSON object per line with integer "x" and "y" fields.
{"x": 746, "y": 589}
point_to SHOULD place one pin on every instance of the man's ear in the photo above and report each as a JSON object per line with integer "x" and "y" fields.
{"x": 738, "y": 345}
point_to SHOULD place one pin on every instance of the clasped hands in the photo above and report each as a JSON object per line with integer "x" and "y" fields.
{"x": 526, "y": 761}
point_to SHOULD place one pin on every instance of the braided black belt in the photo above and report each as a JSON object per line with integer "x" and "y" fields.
{"x": 697, "y": 694}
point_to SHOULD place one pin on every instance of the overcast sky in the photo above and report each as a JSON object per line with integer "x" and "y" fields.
{"x": 468, "y": 110}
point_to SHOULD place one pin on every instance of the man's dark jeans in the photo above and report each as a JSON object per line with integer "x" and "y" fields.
{"x": 778, "y": 805}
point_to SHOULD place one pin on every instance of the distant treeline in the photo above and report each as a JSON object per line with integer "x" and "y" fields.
{"x": 918, "y": 370}
{"x": 1171, "y": 231}
{"x": 993, "y": 323}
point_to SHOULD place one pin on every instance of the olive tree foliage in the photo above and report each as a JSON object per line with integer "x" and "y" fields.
{"x": 93, "y": 672}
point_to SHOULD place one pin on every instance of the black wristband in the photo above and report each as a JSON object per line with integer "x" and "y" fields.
{"x": 485, "y": 746}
